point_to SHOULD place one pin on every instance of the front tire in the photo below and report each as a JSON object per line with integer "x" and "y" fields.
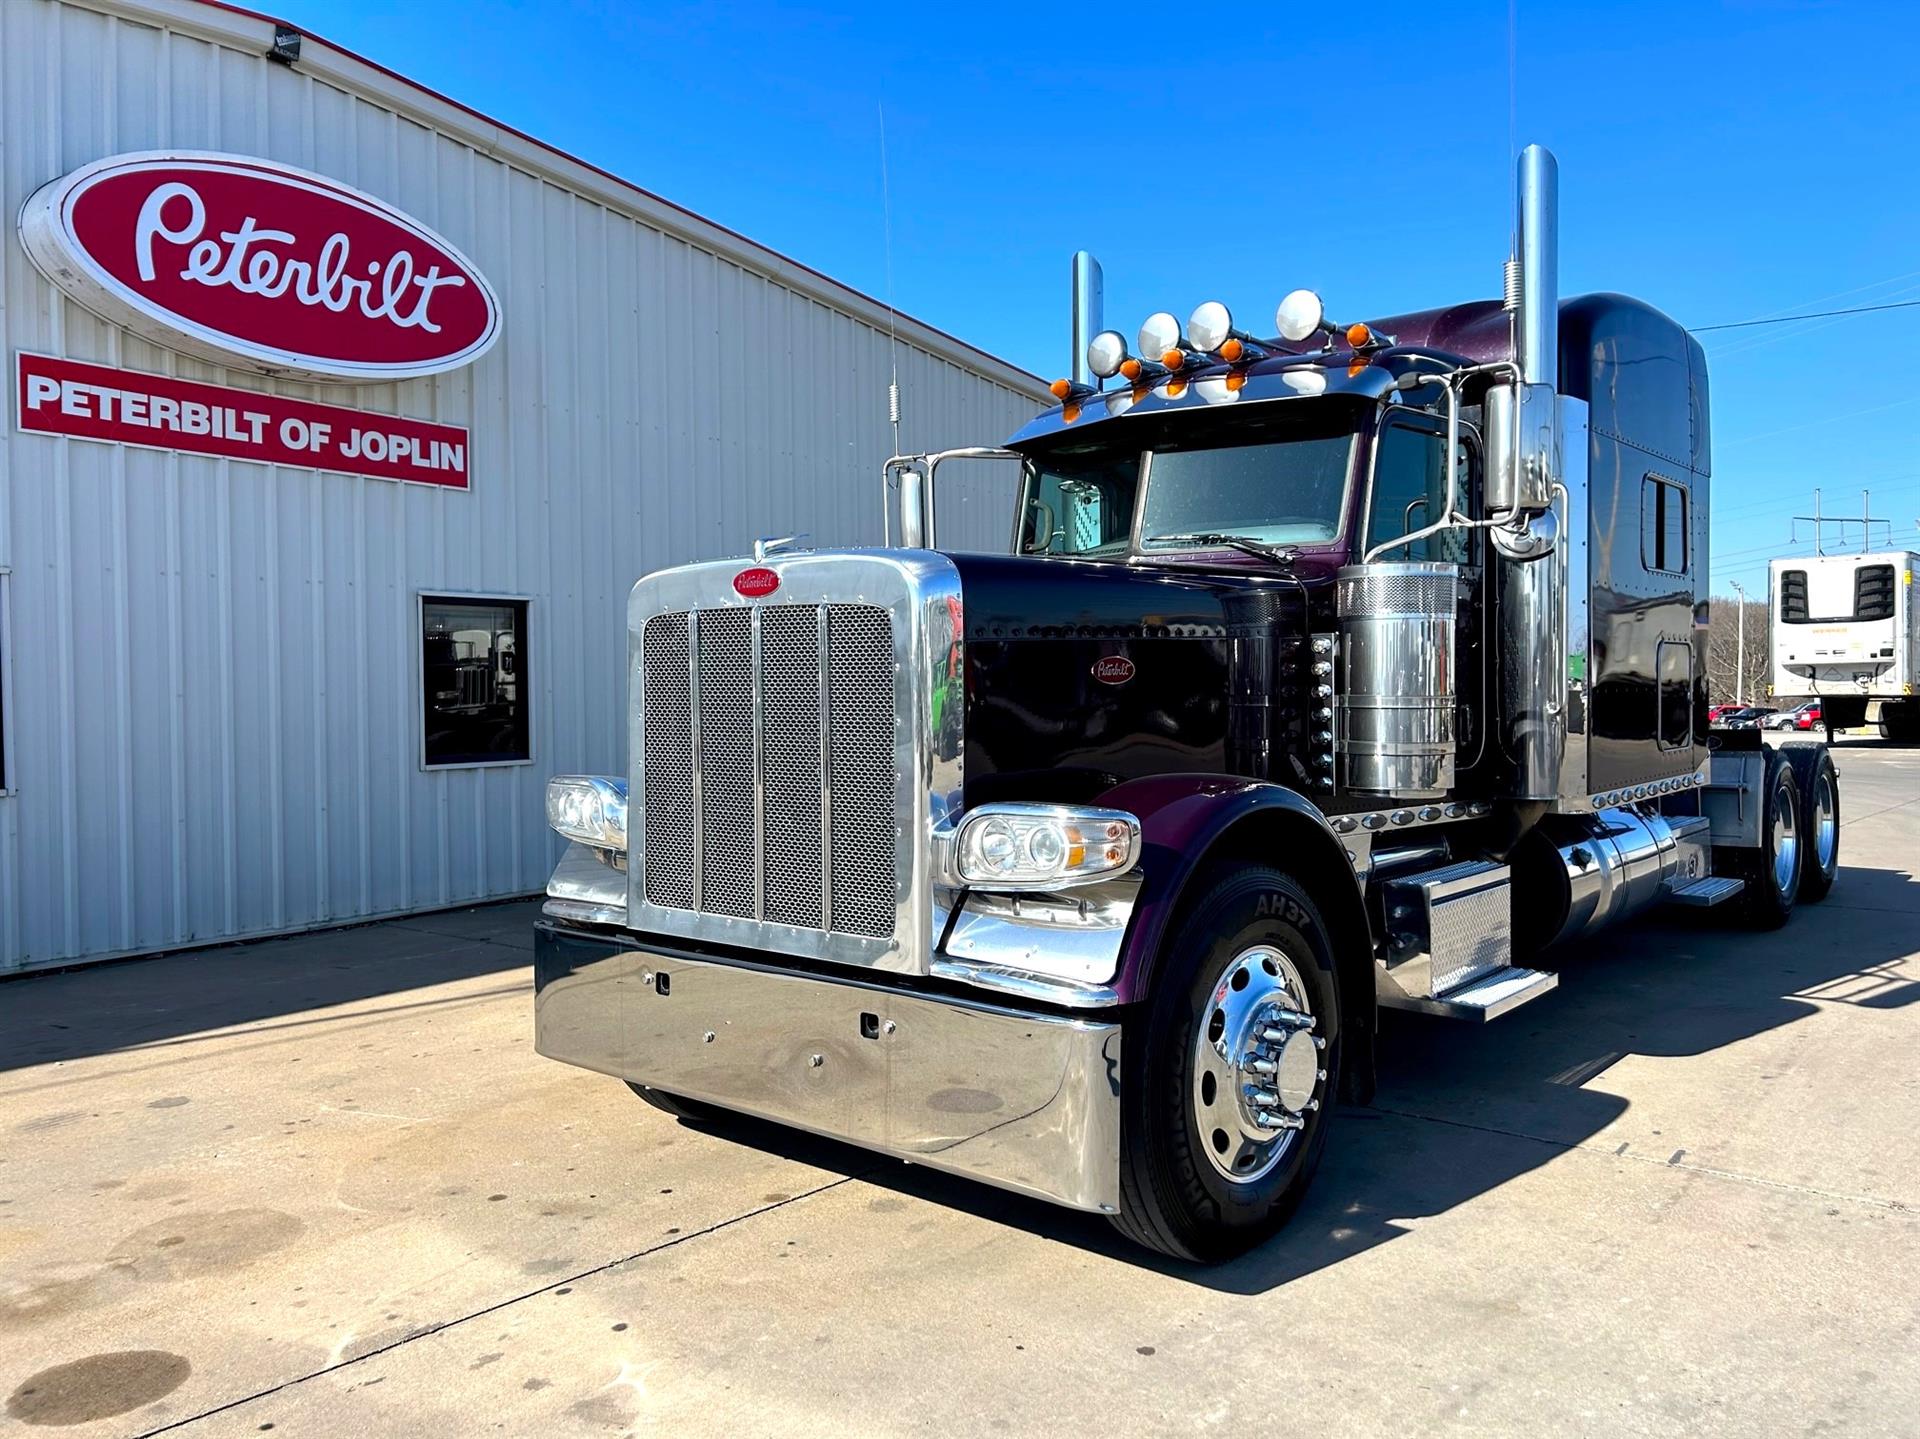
{"x": 694, "y": 1111}
{"x": 1231, "y": 1071}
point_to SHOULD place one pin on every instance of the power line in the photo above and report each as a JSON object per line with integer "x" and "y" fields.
{"x": 1813, "y": 315}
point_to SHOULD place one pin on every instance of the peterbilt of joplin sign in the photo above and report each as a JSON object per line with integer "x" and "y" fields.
{"x": 244, "y": 261}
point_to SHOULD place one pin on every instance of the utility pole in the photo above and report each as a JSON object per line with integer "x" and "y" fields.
{"x": 1820, "y": 520}
{"x": 1740, "y": 645}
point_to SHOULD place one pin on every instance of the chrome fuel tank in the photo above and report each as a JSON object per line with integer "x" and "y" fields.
{"x": 1396, "y": 698}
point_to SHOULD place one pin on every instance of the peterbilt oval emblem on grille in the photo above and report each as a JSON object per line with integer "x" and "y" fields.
{"x": 756, "y": 582}
{"x": 1113, "y": 669}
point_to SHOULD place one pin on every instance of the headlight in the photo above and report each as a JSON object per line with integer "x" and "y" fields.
{"x": 1041, "y": 846}
{"x": 1210, "y": 326}
{"x": 1299, "y": 315}
{"x": 589, "y": 809}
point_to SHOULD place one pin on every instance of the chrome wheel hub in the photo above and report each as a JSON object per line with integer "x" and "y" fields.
{"x": 1786, "y": 840}
{"x": 1256, "y": 1064}
{"x": 1826, "y": 821}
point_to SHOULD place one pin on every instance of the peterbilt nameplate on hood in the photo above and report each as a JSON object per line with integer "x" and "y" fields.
{"x": 246, "y": 261}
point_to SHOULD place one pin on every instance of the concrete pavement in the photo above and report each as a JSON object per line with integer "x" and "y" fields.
{"x": 323, "y": 1186}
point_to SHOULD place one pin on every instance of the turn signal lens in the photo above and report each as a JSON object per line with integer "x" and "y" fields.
{"x": 1131, "y": 368}
{"x": 1358, "y": 335}
{"x": 588, "y": 809}
{"x": 1173, "y": 359}
{"x": 1061, "y": 389}
{"x": 1041, "y": 846}
{"x": 1232, "y": 351}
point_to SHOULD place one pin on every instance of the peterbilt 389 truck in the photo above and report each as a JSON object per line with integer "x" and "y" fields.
{"x": 1333, "y": 671}
{"x": 1845, "y": 631}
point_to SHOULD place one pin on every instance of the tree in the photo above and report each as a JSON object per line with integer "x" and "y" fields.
{"x": 1731, "y": 627}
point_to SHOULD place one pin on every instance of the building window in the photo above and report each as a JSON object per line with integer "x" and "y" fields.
{"x": 1663, "y": 526}
{"x": 473, "y": 664}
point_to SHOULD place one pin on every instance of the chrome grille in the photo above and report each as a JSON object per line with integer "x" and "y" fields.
{"x": 736, "y": 820}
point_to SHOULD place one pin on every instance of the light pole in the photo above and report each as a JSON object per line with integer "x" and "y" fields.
{"x": 1740, "y": 645}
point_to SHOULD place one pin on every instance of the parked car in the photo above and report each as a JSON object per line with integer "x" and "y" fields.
{"x": 1716, "y": 713}
{"x": 1745, "y": 717}
{"x": 1806, "y": 717}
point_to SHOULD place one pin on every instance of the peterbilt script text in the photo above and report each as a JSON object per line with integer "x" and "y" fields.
{"x": 252, "y": 267}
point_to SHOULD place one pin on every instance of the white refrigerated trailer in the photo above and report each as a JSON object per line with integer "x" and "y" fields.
{"x": 1845, "y": 632}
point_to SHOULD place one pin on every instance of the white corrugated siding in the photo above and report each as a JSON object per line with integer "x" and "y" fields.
{"x": 214, "y": 668}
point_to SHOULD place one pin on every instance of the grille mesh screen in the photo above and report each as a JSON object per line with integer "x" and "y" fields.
{"x": 815, "y": 852}
{"x": 668, "y": 756}
{"x": 860, "y": 680}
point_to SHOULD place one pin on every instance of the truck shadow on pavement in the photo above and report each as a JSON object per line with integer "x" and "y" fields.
{"x": 101, "y": 1009}
{"x": 1460, "y": 1111}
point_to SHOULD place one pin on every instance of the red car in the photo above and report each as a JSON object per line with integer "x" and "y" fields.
{"x": 1807, "y": 716}
{"x": 1715, "y": 711}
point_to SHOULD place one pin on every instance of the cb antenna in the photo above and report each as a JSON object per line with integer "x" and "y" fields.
{"x": 893, "y": 343}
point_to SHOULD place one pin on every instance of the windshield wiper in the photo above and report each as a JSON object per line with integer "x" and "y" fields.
{"x": 1246, "y": 544}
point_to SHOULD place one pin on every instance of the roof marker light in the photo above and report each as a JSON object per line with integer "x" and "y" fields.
{"x": 1106, "y": 353}
{"x": 1300, "y": 314}
{"x": 1210, "y": 325}
{"x": 1060, "y": 389}
{"x": 1159, "y": 332}
{"x": 1359, "y": 336}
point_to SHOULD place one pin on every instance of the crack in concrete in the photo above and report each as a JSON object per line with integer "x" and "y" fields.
{"x": 1871, "y": 1201}
{"x": 427, "y": 1331}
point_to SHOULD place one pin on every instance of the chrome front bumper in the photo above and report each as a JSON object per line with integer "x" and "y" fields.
{"x": 1027, "y": 1101}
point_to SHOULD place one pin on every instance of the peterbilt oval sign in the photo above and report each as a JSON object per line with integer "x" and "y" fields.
{"x": 242, "y": 260}
{"x": 756, "y": 582}
{"x": 1113, "y": 669}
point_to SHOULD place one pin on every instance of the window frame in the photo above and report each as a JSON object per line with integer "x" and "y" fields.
{"x": 1661, "y": 484}
{"x": 1468, "y": 495}
{"x": 421, "y": 598}
{"x": 1137, "y": 553}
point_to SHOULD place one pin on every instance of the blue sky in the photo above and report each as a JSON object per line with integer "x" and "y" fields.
{"x": 1722, "y": 161}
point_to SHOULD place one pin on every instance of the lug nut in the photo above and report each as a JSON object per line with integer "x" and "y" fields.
{"x": 1268, "y": 1120}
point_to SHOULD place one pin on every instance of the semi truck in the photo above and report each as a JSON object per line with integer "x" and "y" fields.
{"x": 1337, "y": 670}
{"x": 1845, "y": 632}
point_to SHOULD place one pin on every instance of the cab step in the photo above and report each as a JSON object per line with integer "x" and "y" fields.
{"x": 1706, "y": 893}
{"x": 1479, "y": 1000}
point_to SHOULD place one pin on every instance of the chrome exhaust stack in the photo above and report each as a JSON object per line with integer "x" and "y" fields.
{"x": 1088, "y": 304}
{"x": 1525, "y": 467}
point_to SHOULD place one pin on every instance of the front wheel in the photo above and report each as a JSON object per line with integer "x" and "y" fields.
{"x": 679, "y": 1106}
{"x": 1231, "y": 1071}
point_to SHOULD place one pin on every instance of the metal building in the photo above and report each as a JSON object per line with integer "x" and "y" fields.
{"x": 242, "y": 697}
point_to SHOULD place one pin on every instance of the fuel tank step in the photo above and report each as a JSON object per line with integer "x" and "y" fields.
{"x": 1479, "y": 1000}
{"x": 1706, "y": 893}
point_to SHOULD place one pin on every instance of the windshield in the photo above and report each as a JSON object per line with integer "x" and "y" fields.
{"x": 1285, "y": 492}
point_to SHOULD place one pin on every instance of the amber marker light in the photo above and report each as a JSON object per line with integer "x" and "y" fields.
{"x": 1130, "y": 368}
{"x": 1061, "y": 389}
{"x": 1173, "y": 359}
{"x": 1359, "y": 335}
{"x": 1232, "y": 351}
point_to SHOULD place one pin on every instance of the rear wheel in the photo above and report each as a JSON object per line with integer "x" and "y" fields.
{"x": 1819, "y": 784}
{"x": 1230, "y": 1072}
{"x": 679, "y": 1107}
{"x": 1772, "y": 871}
